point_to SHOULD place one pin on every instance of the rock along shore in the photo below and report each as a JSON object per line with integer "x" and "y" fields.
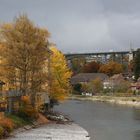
{"x": 53, "y": 131}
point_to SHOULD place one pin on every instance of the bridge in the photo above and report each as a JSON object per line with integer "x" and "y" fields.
{"x": 102, "y": 56}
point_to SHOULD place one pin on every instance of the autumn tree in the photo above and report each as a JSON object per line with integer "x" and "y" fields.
{"x": 96, "y": 85}
{"x": 78, "y": 64}
{"x": 137, "y": 64}
{"x": 59, "y": 76}
{"x": 24, "y": 55}
{"x": 86, "y": 87}
{"x": 91, "y": 67}
{"x": 111, "y": 68}
{"x": 122, "y": 87}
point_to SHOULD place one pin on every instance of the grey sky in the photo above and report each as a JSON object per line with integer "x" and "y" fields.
{"x": 82, "y": 25}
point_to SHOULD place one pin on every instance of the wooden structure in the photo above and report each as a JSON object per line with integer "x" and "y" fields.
{"x": 13, "y": 100}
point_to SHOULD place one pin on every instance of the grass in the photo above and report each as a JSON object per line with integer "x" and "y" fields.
{"x": 18, "y": 122}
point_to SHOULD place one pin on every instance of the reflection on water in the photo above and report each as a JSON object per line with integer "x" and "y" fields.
{"x": 104, "y": 121}
{"x": 136, "y": 113}
{"x": 137, "y": 135}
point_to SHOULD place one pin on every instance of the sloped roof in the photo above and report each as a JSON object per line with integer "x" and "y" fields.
{"x": 138, "y": 80}
{"x": 136, "y": 85}
{"x": 117, "y": 77}
{"x": 87, "y": 77}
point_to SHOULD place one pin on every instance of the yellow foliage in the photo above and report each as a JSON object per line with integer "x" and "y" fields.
{"x": 25, "y": 99}
{"x": 111, "y": 68}
{"x": 60, "y": 75}
{"x": 97, "y": 85}
{"x": 7, "y": 124}
{"x": 30, "y": 112}
{"x": 27, "y": 110}
{"x": 23, "y": 54}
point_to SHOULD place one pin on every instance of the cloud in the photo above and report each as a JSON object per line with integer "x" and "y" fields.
{"x": 82, "y": 25}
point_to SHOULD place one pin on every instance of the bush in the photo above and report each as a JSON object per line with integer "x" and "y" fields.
{"x": 31, "y": 112}
{"x": 18, "y": 122}
{"x": 1, "y": 131}
{"x": 106, "y": 91}
{"x": 28, "y": 113}
{"x": 77, "y": 88}
{"x": 76, "y": 92}
{"x": 128, "y": 94}
{"x": 25, "y": 99}
{"x": 7, "y": 124}
{"x": 122, "y": 87}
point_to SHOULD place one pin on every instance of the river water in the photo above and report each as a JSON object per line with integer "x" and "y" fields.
{"x": 104, "y": 121}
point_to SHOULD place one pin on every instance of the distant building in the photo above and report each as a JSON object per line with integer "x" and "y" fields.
{"x": 112, "y": 81}
{"x": 136, "y": 86}
{"x": 87, "y": 77}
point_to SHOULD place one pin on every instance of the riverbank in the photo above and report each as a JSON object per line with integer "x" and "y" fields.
{"x": 127, "y": 101}
{"x": 11, "y": 124}
{"x": 53, "y": 131}
{"x": 58, "y": 127}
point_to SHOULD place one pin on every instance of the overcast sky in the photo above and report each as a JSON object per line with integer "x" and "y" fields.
{"x": 82, "y": 25}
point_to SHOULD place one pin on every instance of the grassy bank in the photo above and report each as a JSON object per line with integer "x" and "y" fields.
{"x": 129, "y": 101}
{"x": 13, "y": 123}
{"x": 18, "y": 121}
{"x": 10, "y": 122}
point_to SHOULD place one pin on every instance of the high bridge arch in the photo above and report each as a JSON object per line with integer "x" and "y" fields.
{"x": 102, "y": 56}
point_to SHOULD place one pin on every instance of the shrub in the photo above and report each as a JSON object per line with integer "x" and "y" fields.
{"x": 106, "y": 91}
{"x": 25, "y": 99}
{"x": 1, "y": 131}
{"x": 31, "y": 112}
{"x": 77, "y": 88}
{"x": 18, "y": 122}
{"x": 76, "y": 92}
{"x": 128, "y": 94}
{"x": 122, "y": 87}
{"x": 7, "y": 124}
{"x": 28, "y": 113}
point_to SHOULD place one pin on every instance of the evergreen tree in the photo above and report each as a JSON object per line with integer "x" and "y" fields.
{"x": 137, "y": 65}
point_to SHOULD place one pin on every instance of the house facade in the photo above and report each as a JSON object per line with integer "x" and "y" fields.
{"x": 135, "y": 87}
{"x": 111, "y": 82}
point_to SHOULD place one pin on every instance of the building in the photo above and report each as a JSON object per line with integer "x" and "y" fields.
{"x": 112, "y": 81}
{"x": 135, "y": 87}
{"x": 87, "y": 77}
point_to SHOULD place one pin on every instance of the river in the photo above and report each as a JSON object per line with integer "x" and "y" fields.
{"x": 104, "y": 121}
